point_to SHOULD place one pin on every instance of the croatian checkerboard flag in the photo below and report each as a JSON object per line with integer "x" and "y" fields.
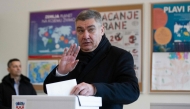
{"x": 20, "y": 105}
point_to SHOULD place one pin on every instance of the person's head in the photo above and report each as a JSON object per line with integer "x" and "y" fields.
{"x": 89, "y": 30}
{"x": 14, "y": 67}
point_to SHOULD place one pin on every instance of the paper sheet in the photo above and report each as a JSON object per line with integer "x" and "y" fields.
{"x": 62, "y": 88}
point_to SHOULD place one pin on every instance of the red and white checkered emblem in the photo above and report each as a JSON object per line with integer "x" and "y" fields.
{"x": 20, "y": 105}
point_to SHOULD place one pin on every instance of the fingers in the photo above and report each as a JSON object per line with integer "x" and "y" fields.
{"x": 65, "y": 51}
{"x": 83, "y": 92}
{"x": 75, "y": 63}
{"x": 72, "y": 51}
{"x": 76, "y": 51}
{"x": 83, "y": 89}
{"x": 76, "y": 90}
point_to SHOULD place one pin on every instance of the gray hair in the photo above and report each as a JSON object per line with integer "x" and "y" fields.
{"x": 88, "y": 14}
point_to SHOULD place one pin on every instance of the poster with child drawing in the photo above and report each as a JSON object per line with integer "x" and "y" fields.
{"x": 171, "y": 74}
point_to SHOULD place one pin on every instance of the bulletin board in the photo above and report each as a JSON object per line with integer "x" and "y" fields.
{"x": 170, "y": 56}
{"x": 129, "y": 36}
{"x": 123, "y": 28}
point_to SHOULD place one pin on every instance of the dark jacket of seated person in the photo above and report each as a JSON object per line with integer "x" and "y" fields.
{"x": 14, "y": 84}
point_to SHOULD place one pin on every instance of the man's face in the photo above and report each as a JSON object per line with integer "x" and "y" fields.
{"x": 15, "y": 68}
{"x": 89, "y": 34}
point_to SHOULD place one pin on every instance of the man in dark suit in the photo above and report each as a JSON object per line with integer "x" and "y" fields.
{"x": 14, "y": 84}
{"x": 100, "y": 69}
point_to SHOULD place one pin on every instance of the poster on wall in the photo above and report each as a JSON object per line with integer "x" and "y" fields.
{"x": 170, "y": 47}
{"x": 50, "y": 32}
{"x": 38, "y": 70}
{"x": 173, "y": 73}
{"x": 123, "y": 29}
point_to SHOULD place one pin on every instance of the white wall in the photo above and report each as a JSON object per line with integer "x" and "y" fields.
{"x": 14, "y": 28}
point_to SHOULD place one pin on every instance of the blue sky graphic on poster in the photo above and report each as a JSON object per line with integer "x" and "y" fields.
{"x": 51, "y": 32}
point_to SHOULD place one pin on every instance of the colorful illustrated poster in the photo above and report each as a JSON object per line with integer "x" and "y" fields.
{"x": 123, "y": 29}
{"x": 50, "y": 32}
{"x": 171, "y": 27}
{"x": 171, "y": 47}
{"x": 171, "y": 71}
{"x": 39, "y": 69}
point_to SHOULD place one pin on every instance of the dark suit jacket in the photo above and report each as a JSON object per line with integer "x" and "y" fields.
{"x": 7, "y": 90}
{"x": 111, "y": 72}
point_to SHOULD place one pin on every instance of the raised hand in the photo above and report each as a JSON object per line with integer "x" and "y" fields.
{"x": 68, "y": 60}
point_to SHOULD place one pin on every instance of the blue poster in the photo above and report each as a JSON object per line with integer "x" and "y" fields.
{"x": 171, "y": 27}
{"x": 38, "y": 70}
{"x": 50, "y": 32}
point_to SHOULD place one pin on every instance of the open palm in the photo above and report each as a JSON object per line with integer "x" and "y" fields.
{"x": 68, "y": 60}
